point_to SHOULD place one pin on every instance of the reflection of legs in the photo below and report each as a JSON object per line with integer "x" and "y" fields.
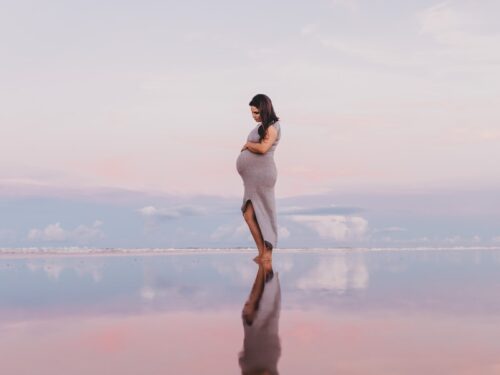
{"x": 252, "y": 304}
{"x": 251, "y": 219}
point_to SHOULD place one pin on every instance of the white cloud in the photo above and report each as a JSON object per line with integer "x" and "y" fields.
{"x": 52, "y": 232}
{"x": 85, "y": 233}
{"x": 55, "y": 233}
{"x": 337, "y": 227}
{"x": 225, "y": 231}
{"x": 171, "y": 212}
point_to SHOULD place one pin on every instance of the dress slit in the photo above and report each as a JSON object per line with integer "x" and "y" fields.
{"x": 244, "y": 208}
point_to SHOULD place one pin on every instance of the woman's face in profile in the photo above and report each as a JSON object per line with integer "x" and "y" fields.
{"x": 255, "y": 113}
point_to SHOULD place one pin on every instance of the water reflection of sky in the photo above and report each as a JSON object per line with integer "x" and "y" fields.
{"x": 344, "y": 312}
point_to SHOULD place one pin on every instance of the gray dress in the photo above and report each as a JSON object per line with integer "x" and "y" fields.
{"x": 259, "y": 174}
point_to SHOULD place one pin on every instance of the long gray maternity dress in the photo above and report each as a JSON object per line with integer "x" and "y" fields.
{"x": 259, "y": 174}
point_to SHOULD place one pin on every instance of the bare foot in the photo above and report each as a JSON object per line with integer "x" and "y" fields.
{"x": 268, "y": 251}
{"x": 267, "y": 264}
{"x": 268, "y": 255}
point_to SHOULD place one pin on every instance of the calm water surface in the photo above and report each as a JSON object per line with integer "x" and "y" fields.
{"x": 339, "y": 312}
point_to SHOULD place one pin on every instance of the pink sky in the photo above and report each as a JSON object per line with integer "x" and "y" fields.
{"x": 162, "y": 105}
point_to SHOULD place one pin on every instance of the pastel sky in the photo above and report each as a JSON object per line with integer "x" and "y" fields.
{"x": 103, "y": 99}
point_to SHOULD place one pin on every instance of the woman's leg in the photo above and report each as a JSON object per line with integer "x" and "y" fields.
{"x": 251, "y": 219}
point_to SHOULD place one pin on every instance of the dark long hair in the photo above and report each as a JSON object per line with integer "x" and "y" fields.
{"x": 266, "y": 110}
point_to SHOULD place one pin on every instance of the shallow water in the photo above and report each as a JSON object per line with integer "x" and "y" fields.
{"x": 319, "y": 312}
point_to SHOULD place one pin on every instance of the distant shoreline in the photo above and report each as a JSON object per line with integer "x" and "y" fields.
{"x": 79, "y": 252}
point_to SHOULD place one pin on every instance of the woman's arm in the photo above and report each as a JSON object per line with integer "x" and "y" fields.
{"x": 265, "y": 144}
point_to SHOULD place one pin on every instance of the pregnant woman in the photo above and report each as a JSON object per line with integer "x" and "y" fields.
{"x": 256, "y": 166}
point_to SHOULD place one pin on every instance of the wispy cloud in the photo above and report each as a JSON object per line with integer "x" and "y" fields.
{"x": 459, "y": 29}
{"x": 228, "y": 231}
{"x": 170, "y": 213}
{"x": 323, "y": 210}
{"x": 54, "y": 268}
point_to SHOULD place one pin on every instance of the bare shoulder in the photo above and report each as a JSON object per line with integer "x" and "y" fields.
{"x": 272, "y": 131}
{"x": 273, "y": 127}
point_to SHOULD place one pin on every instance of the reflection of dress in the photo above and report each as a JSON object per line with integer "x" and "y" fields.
{"x": 259, "y": 175}
{"x": 262, "y": 347}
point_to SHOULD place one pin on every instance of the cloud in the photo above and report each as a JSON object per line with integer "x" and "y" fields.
{"x": 461, "y": 30}
{"x": 52, "y": 232}
{"x": 323, "y": 210}
{"x": 338, "y": 227}
{"x": 226, "y": 231}
{"x": 170, "y": 213}
{"x": 53, "y": 269}
{"x": 336, "y": 274}
{"x": 460, "y": 240}
{"x": 229, "y": 231}
{"x": 375, "y": 53}
{"x": 463, "y": 36}
{"x": 85, "y": 233}
{"x": 55, "y": 233}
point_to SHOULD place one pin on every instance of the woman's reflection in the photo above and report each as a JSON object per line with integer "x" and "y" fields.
{"x": 260, "y": 315}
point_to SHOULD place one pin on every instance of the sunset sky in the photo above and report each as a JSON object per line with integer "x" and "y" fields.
{"x": 122, "y": 121}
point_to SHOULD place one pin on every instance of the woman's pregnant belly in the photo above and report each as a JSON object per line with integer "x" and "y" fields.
{"x": 257, "y": 168}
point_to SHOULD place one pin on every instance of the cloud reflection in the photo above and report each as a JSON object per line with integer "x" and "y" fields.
{"x": 336, "y": 273}
{"x": 54, "y": 268}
